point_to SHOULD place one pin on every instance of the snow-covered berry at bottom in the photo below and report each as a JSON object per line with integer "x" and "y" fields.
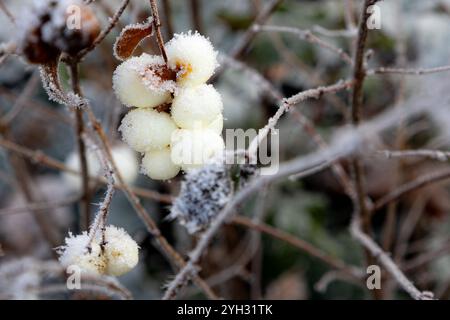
{"x": 117, "y": 255}
{"x": 158, "y": 165}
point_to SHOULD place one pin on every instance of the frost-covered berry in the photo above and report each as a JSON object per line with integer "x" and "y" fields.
{"x": 76, "y": 252}
{"x": 196, "y": 107}
{"x": 158, "y": 165}
{"x": 121, "y": 251}
{"x": 114, "y": 256}
{"x": 145, "y": 129}
{"x": 193, "y": 56}
{"x": 123, "y": 156}
{"x": 193, "y": 148}
{"x": 204, "y": 193}
{"x": 143, "y": 81}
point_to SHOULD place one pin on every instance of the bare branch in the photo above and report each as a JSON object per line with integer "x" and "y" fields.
{"x": 418, "y": 183}
{"x": 403, "y": 71}
{"x": 387, "y": 262}
{"x": 307, "y": 36}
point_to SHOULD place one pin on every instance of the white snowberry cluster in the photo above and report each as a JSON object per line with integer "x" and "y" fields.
{"x": 177, "y": 122}
{"x": 116, "y": 256}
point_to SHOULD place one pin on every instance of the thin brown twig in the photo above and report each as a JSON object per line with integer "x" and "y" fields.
{"x": 39, "y": 157}
{"x": 307, "y": 36}
{"x": 22, "y": 99}
{"x": 8, "y": 13}
{"x": 426, "y": 257}
{"x": 243, "y": 44}
{"x": 411, "y": 186}
{"x": 196, "y": 13}
{"x": 168, "y": 19}
{"x": 300, "y": 244}
{"x": 386, "y": 261}
{"x": 79, "y": 132}
{"x": 112, "y": 22}
{"x": 45, "y": 205}
{"x": 359, "y": 74}
{"x": 157, "y": 25}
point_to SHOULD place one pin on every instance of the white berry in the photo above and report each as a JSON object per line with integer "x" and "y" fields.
{"x": 76, "y": 253}
{"x": 193, "y": 148}
{"x": 136, "y": 82}
{"x": 144, "y": 129}
{"x": 121, "y": 251}
{"x": 196, "y": 107}
{"x": 158, "y": 165}
{"x": 193, "y": 56}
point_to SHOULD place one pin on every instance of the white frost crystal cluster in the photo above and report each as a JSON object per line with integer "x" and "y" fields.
{"x": 116, "y": 256}
{"x": 177, "y": 120}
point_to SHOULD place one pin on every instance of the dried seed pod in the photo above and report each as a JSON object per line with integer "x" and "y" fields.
{"x": 49, "y": 27}
{"x": 204, "y": 193}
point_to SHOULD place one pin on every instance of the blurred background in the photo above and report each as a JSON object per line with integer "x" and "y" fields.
{"x": 241, "y": 263}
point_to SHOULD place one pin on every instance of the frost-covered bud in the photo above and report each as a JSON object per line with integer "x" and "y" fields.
{"x": 123, "y": 156}
{"x": 146, "y": 129}
{"x": 193, "y": 148}
{"x": 197, "y": 106}
{"x": 193, "y": 57}
{"x": 143, "y": 81}
{"x": 121, "y": 251}
{"x": 203, "y": 194}
{"x": 76, "y": 252}
{"x": 158, "y": 165}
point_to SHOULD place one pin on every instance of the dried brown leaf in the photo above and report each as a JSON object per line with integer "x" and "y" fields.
{"x": 130, "y": 37}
